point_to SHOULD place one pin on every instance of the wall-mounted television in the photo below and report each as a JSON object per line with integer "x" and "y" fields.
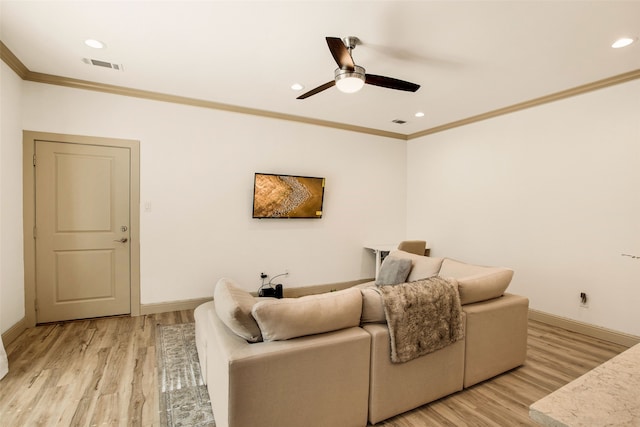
{"x": 287, "y": 196}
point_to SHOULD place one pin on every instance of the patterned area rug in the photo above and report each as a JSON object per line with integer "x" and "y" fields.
{"x": 184, "y": 400}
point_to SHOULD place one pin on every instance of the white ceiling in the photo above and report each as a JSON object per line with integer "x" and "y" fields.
{"x": 470, "y": 57}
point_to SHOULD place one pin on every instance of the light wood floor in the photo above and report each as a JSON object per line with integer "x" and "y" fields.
{"x": 99, "y": 372}
{"x": 103, "y": 372}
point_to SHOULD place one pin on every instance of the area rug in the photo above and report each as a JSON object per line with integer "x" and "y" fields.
{"x": 184, "y": 400}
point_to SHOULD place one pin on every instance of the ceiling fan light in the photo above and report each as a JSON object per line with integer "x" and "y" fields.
{"x": 350, "y": 84}
{"x": 350, "y": 81}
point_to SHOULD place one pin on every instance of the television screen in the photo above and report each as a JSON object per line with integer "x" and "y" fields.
{"x": 287, "y": 196}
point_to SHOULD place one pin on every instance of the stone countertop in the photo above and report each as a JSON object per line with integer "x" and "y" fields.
{"x": 608, "y": 395}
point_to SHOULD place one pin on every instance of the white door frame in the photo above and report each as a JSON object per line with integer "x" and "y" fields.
{"x": 28, "y": 172}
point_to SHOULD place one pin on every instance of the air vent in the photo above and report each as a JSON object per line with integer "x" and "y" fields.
{"x": 103, "y": 64}
{"x": 399, "y": 122}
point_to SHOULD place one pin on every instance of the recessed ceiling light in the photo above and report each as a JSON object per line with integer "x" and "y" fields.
{"x": 297, "y": 86}
{"x": 419, "y": 114}
{"x": 622, "y": 42}
{"x": 96, "y": 44}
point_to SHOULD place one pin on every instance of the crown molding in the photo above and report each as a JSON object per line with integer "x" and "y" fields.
{"x": 12, "y": 61}
{"x": 157, "y": 96}
{"x": 23, "y": 72}
{"x": 578, "y": 90}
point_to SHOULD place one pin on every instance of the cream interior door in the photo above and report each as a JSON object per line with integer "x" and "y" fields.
{"x": 82, "y": 231}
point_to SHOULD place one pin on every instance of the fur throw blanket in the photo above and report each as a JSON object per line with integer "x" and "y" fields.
{"x": 422, "y": 316}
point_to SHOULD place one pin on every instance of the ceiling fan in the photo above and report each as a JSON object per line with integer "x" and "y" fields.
{"x": 350, "y": 77}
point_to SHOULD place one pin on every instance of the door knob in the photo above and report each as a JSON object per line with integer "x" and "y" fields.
{"x": 123, "y": 240}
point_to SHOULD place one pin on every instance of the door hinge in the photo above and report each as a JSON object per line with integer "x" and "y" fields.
{"x": 35, "y": 304}
{"x": 34, "y": 160}
{"x": 35, "y": 232}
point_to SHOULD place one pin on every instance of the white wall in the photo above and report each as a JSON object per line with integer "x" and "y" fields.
{"x": 11, "y": 244}
{"x": 197, "y": 169}
{"x": 550, "y": 191}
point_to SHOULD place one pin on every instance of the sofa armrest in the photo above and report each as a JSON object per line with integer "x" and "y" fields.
{"x": 260, "y": 383}
{"x": 496, "y": 337}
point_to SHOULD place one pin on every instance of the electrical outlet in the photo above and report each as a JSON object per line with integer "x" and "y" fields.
{"x": 584, "y": 300}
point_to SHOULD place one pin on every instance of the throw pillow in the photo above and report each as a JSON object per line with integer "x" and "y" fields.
{"x": 233, "y": 307}
{"x": 422, "y": 267}
{"x": 393, "y": 271}
{"x": 475, "y": 282}
{"x": 288, "y": 318}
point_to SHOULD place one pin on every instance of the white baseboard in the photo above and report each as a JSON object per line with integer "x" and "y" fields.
{"x": 163, "y": 307}
{"x": 14, "y": 332}
{"x": 598, "y": 332}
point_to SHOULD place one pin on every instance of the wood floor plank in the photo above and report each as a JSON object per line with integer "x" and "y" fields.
{"x": 138, "y": 399}
{"x": 103, "y": 372}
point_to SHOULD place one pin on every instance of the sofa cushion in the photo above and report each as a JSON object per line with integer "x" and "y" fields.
{"x": 393, "y": 270}
{"x": 422, "y": 267}
{"x": 233, "y": 307}
{"x": 475, "y": 282}
{"x": 372, "y": 307}
{"x": 286, "y": 318}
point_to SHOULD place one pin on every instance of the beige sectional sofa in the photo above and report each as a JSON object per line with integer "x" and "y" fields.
{"x": 323, "y": 358}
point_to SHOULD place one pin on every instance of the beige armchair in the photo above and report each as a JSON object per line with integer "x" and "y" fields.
{"x": 417, "y": 247}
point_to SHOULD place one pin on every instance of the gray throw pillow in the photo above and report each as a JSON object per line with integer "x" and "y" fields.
{"x": 393, "y": 271}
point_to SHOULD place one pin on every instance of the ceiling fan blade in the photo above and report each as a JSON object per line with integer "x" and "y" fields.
{"x": 391, "y": 83}
{"x": 317, "y": 90}
{"x": 340, "y": 53}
